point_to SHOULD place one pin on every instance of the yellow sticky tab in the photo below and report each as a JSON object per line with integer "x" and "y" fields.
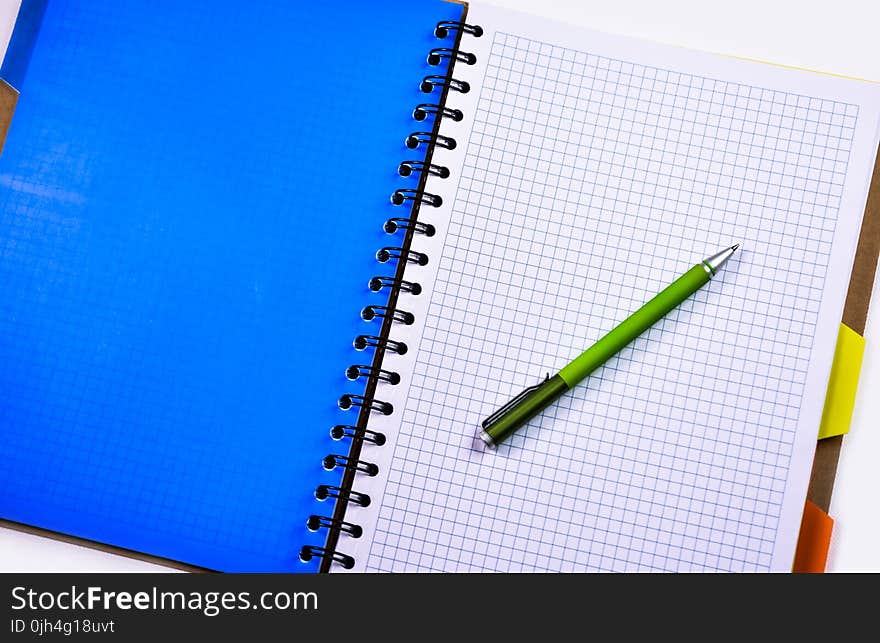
{"x": 841, "y": 396}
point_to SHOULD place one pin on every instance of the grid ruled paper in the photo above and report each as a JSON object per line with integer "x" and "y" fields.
{"x": 588, "y": 184}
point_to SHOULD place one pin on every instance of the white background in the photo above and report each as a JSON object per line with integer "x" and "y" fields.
{"x": 837, "y": 37}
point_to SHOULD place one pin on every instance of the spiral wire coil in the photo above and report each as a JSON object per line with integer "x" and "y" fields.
{"x": 387, "y": 315}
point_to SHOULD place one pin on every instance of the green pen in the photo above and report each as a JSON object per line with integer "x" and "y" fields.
{"x": 501, "y": 424}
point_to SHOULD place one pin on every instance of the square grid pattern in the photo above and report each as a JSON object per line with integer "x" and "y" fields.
{"x": 589, "y": 184}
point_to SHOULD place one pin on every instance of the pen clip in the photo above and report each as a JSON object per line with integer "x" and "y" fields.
{"x": 497, "y": 415}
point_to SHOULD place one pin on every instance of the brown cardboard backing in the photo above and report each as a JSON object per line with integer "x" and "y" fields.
{"x": 855, "y": 313}
{"x": 827, "y": 452}
{"x": 8, "y": 99}
{"x": 91, "y": 544}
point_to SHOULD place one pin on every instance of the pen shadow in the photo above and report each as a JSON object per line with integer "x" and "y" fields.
{"x": 476, "y": 446}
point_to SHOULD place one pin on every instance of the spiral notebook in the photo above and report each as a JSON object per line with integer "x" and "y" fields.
{"x": 187, "y": 238}
{"x": 191, "y": 199}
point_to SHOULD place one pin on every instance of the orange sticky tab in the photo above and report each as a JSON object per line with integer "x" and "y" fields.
{"x": 813, "y": 542}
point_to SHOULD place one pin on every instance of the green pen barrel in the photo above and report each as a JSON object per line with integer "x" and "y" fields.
{"x": 635, "y": 324}
{"x": 525, "y": 410}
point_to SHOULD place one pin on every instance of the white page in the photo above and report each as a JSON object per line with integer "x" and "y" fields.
{"x": 8, "y": 13}
{"x": 592, "y": 170}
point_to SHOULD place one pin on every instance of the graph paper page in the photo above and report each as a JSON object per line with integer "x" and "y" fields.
{"x": 594, "y": 170}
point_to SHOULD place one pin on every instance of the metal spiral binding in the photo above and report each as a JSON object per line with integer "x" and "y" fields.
{"x": 422, "y": 111}
{"x": 432, "y": 82}
{"x": 328, "y": 555}
{"x": 387, "y": 315}
{"x": 437, "y": 55}
{"x": 350, "y": 401}
{"x": 324, "y": 491}
{"x": 369, "y": 313}
{"x": 378, "y": 283}
{"x": 362, "y": 342}
{"x": 399, "y": 197}
{"x": 388, "y": 253}
{"x": 432, "y": 139}
{"x": 397, "y": 223}
{"x": 348, "y": 431}
{"x": 316, "y": 522}
{"x": 361, "y": 370}
{"x": 408, "y": 167}
{"x": 334, "y": 460}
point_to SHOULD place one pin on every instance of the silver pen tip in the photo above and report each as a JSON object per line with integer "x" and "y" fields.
{"x": 713, "y": 264}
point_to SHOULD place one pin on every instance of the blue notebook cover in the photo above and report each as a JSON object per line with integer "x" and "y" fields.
{"x": 191, "y": 196}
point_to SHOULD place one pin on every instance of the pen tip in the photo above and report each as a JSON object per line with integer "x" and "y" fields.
{"x": 734, "y": 247}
